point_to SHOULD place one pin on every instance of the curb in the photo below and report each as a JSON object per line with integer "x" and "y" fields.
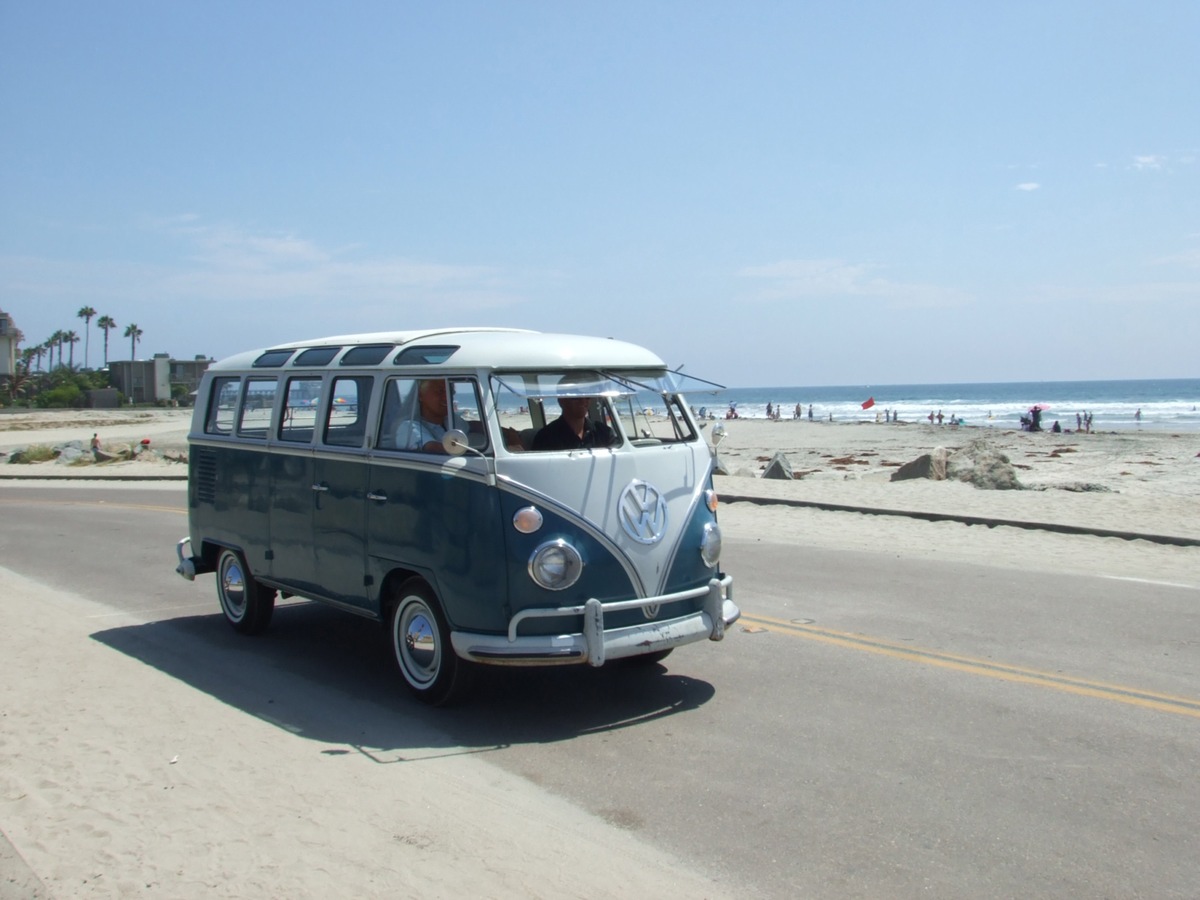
{"x": 968, "y": 520}
{"x": 1169, "y": 540}
{"x": 4, "y": 477}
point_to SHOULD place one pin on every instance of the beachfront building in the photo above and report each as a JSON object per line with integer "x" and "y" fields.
{"x": 9, "y": 338}
{"x": 159, "y": 379}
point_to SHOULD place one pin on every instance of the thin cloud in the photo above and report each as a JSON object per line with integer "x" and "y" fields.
{"x": 1189, "y": 259}
{"x": 1028, "y": 186}
{"x": 1149, "y": 162}
{"x": 230, "y": 261}
{"x": 825, "y": 279}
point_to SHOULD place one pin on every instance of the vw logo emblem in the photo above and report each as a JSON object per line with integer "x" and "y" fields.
{"x": 643, "y": 512}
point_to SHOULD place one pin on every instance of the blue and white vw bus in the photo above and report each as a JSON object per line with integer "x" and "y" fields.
{"x": 480, "y": 542}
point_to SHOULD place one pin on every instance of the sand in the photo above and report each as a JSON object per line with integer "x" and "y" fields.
{"x": 1128, "y": 482}
{"x": 101, "y": 798}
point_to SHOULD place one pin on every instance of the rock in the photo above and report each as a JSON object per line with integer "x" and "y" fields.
{"x": 778, "y": 468}
{"x": 1078, "y": 487}
{"x": 981, "y": 464}
{"x": 69, "y": 455}
{"x": 928, "y": 465}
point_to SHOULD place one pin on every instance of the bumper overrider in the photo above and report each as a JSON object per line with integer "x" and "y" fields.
{"x": 595, "y": 645}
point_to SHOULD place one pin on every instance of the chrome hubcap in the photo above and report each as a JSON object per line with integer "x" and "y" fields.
{"x": 417, "y": 640}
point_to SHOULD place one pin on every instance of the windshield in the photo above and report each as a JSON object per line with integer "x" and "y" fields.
{"x": 642, "y": 408}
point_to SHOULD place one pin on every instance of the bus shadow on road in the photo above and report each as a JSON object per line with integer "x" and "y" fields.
{"x": 329, "y": 677}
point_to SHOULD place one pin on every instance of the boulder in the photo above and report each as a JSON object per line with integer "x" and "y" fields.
{"x": 928, "y": 465}
{"x": 778, "y": 468}
{"x": 981, "y": 464}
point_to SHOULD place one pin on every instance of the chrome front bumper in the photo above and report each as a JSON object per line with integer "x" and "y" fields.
{"x": 595, "y": 645}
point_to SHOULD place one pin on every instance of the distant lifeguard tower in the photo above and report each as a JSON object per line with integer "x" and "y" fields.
{"x": 9, "y": 338}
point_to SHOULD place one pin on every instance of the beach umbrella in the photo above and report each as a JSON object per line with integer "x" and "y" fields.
{"x": 1040, "y": 406}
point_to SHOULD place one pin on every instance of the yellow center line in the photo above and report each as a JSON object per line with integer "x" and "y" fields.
{"x": 1183, "y": 706}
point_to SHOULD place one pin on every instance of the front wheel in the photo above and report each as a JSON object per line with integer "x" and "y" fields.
{"x": 420, "y": 641}
{"x": 247, "y": 604}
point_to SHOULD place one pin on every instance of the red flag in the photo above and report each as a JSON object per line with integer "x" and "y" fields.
{"x": 868, "y": 403}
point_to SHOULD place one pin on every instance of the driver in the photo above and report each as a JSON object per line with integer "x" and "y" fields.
{"x": 573, "y": 430}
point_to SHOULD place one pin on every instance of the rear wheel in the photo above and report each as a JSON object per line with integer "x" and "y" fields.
{"x": 420, "y": 641}
{"x": 247, "y": 604}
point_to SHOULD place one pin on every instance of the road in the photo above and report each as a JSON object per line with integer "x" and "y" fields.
{"x": 873, "y": 727}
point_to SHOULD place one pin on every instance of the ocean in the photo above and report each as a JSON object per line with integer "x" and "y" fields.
{"x": 1165, "y": 404}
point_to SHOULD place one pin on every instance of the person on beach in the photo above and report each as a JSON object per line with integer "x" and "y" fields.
{"x": 931, "y": 417}
{"x": 1078, "y": 421}
{"x": 810, "y": 412}
{"x": 939, "y": 417}
{"x": 95, "y": 446}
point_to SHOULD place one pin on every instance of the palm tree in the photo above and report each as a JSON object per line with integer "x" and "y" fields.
{"x": 105, "y": 323}
{"x": 133, "y": 333}
{"x": 38, "y": 351}
{"x": 71, "y": 339}
{"x": 55, "y": 342}
{"x": 87, "y": 314}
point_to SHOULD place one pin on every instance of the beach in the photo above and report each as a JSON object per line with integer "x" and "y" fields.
{"x": 119, "y": 798}
{"x": 1128, "y": 482}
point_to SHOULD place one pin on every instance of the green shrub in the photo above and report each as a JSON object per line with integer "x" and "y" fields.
{"x": 38, "y": 453}
{"x": 66, "y": 395}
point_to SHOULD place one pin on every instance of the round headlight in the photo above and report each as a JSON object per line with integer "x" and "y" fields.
{"x": 555, "y": 565}
{"x": 710, "y": 545}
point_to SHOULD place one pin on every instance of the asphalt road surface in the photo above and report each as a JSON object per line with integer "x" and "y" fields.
{"x": 873, "y": 727}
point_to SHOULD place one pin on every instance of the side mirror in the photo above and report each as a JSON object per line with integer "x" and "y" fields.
{"x": 718, "y": 435}
{"x": 454, "y": 442}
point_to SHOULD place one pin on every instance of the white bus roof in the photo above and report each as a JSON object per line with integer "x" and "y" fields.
{"x": 508, "y": 349}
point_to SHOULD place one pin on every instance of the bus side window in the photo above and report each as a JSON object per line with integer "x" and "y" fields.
{"x": 300, "y": 410}
{"x": 464, "y": 403}
{"x": 399, "y": 403}
{"x": 258, "y": 400}
{"x": 222, "y": 401}
{"x": 346, "y": 425}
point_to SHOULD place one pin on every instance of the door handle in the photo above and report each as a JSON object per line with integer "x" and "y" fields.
{"x": 377, "y": 496}
{"x": 321, "y": 487}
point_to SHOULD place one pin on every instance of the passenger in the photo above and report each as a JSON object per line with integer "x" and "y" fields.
{"x": 426, "y": 432}
{"x": 573, "y": 430}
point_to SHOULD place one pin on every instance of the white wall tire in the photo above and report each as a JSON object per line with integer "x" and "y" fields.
{"x": 247, "y": 605}
{"x": 420, "y": 641}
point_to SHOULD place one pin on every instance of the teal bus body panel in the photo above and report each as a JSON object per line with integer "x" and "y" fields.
{"x": 339, "y": 529}
{"x": 292, "y": 564}
{"x": 687, "y": 568}
{"x": 603, "y": 576}
{"x": 230, "y": 498}
{"x": 447, "y": 527}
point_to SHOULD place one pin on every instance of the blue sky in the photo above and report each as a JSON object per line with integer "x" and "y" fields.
{"x": 790, "y": 193}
